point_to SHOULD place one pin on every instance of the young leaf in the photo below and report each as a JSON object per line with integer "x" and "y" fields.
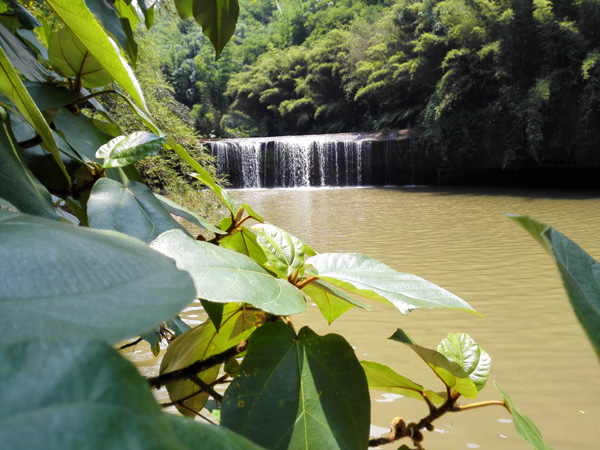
{"x": 308, "y": 391}
{"x": 78, "y": 18}
{"x": 580, "y": 274}
{"x": 463, "y": 350}
{"x": 331, "y": 302}
{"x": 225, "y": 276}
{"x": 202, "y": 342}
{"x": 284, "y": 252}
{"x": 252, "y": 213}
{"x": 125, "y": 150}
{"x": 217, "y": 19}
{"x": 372, "y": 279}
{"x": 383, "y": 378}
{"x": 69, "y": 56}
{"x": 244, "y": 241}
{"x": 451, "y": 374}
{"x": 524, "y": 425}
{"x": 64, "y": 280}
{"x": 131, "y": 209}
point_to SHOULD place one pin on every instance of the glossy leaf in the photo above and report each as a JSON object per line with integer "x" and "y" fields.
{"x": 48, "y": 95}
{"x": 12, "y": 87}
{"x": 523, "y": 424}
{"x": 71, "y": 58}
{"x": 89, "y": 397}
{"x": 451, "y": 373}
{"x": 217, "y": 19}
{"x": 125, "y": 150}
{"x": 244, "y": 241}
{"x": 463, "y": 350}
{"x": 64, "y": 280}
{"x": 331, "y": 302}
{"x": 131, "y": 209}
{"x": 180, "y": 211}
{"x": 81, "y": 134}
{"x": 383, "y": 378}
{"x": 372, "y": 279}
{"x": 580, "y": 274}
{"x": 308, "y": 391}
{"x": 17, "y": 183}
{"x": 202, "y": 342}
{"x": 20, "y": 57}
{"x": 252, "y": 213}
{"x": 78, "y": 18}
{"x": 225, "y": 276}
{"x": 284, "y": 252}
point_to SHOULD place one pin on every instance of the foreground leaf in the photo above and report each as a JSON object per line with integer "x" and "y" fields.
{"x": 372, "y": 279}
{"x": 201, "y": 343}
{"x": 451, "y": 373}
{"x": 89, "y": 397}
{"x": 285, "y": 253}
{"x": 225, "y": 276}
{"x": 217, "y": 19}
{"x": 524, "y": 425}
{"x": 63, "y": 280}
{"x": 125, "y": 150}
{"x": 131, "y": 209}
{"x": 331, "y": 302}
{"x": 185, "y": 213}
{"x": 463, "y": 350}
{"x": 384, "y": 378}
{"x": 308, "y": 391}
{"x": 244, "y": 241}
{"x": 580, "y": 274}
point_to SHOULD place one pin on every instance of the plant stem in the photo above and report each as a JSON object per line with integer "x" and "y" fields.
{"x": 306, "y": 281}
{"x": 479, "y": 405}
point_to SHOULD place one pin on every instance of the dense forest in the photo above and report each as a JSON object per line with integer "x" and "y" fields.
{"x": 511, "y": 79}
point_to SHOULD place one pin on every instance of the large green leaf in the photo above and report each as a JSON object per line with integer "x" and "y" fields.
{"x": 202, "y": 342}
{"x": 184, "y": 8}
{"x": 125, "y": 150}
{"x": 17, "y": 183}
{"x": 217, "y": 19}
{"x": 244, "y": 241}
{"x": 12, "y": 87}
{"x": 27, "y": 20}
{"x": 63, "y": 280}
{"x": 20, "y": 57}
{"x": 71, "y": 58}
{"x": 48, "y": 95}
{"x": 79, "y": 131}
{"x": 523, "y": 424}
{"x": 580, "y": 274}
{"x": 285, "y": 253}
{"x": 372, "y": 279}
{"x": 131, "y": 209}
{"x": 78, "y": 18}
{"x": 299, "y": 391}
{"x": 450, "y": 372}
{"x": 89, "y": 397}
{"x": 185, "y": 213}
{"x": 331, "y": 302}
{"x": 107, "y": 14}
{"x": 463, "y": 350}
{"x": 224, "y": 276}
{"x": 383, "y": 378}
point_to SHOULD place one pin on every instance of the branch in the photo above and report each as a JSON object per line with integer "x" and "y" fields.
{"x": 131, "y": 344}
{"x": 187, "y": 373}
{"x": 206, "y": 388}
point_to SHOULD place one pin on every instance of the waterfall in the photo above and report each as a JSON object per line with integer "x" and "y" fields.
{"x": 308, "y": 161}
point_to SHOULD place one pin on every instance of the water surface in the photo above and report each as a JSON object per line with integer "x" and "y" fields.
{"x": 461, "y": 240}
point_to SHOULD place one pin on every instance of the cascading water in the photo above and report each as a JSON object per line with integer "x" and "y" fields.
{"x": 304, "y": 161}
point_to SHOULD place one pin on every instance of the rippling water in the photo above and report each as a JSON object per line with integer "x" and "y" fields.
{"x": 461, "y": 240}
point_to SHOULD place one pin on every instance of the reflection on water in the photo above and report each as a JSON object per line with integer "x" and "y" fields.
{"x": 461, "y": 240}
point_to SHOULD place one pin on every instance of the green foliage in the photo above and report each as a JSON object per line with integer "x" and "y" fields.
{"x": 91, "y": 257}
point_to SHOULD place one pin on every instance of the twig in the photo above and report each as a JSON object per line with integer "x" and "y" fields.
{"x": 130, "y": 344}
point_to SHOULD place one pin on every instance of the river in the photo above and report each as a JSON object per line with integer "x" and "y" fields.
{"x": 460, "y": 239}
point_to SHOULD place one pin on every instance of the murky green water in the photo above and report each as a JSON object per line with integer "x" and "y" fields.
{"x": 461, "y": 240}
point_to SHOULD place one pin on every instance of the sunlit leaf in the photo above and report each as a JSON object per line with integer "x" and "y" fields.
{"x": 217, "y": 19}
{"x": 523, "y": 424}
{"x": 199, "y": 343}
{"x": 252, "y": 213}
{"x": 226, "y": 276}
{"x": 184, "y": 8}
{"x": 78, "y": 18}
{"x": 64, "y": 280}
{"x": 331, "y": 302}
{"x": 284, "y": 252}
{"x": 580, "y": 274}
{"x": 185, "y": 213}
{"x": 451, "y": 373}
{"x": 463, "y": 350}
{"x": 383, "y": 378}
{"x": 125, "y": 150}
{"x": 131, "y": 209}
{"x": 244, "y": 241}
{"x": 308, "y": 391}
{"x": 372, "y": 279}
